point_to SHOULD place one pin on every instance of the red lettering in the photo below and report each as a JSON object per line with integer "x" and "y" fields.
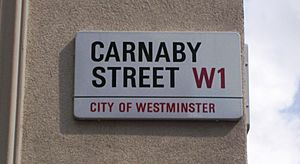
{"x": 140, "y": 107}
{"x": 175, "y": 107}
{"x": 110, "y": 105}
{"x": 156, "y": 107}
{"x": 198, "y": 107}
{"x": 222, "y": 77}
{"x": 203, "y": 73}
{"x": 170, "y": 108}
{"x": 211, "y": 108}
{"x": 184, "y": 107}
{"x": 191, "y": 107}
{"x": 204, "y": 108}
{"x": 92, "y": 107}
{"x": 149, "y": 107}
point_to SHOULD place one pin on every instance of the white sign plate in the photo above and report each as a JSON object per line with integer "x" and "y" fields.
{"x": 157, "y": 75}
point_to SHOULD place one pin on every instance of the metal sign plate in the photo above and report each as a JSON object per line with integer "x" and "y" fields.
{"x": 157, "y": 75}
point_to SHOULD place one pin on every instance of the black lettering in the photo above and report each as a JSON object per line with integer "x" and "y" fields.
{"x": 194, "y": 50}
{"x": 143, "y": 50}
{"x": 162, "y": 52}
{"x": 112, "y": 52}
{"x": 93, "y": 51}
{"x": 156, "y": 77}
{"x": 142, "y": 77}
{"x": 113, "y": 75}
{"x": 128, "y": 50}
{"x": 177, "y": 51}
{"x": 101, "y": 78}
{"x": 172, "y": 75}
{"x": 129, "y": 76}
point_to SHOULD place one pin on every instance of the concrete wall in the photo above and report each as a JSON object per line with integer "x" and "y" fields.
{"x": 49, "y": 133}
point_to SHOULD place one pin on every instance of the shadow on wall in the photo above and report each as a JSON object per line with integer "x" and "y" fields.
{"x": 68, "y": 125}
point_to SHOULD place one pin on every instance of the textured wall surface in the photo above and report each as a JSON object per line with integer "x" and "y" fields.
{"x": 50, "y": 133}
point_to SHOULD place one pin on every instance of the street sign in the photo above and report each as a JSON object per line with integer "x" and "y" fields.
{"x": 158, "y": 75}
